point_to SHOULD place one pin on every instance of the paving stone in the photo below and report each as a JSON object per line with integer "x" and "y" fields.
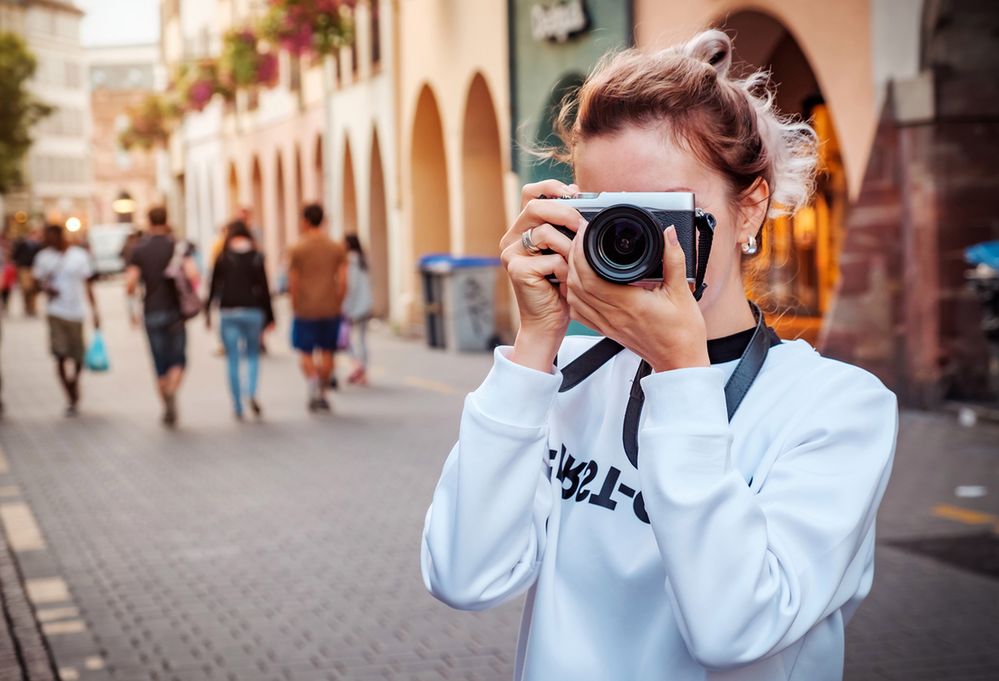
{"x": 287, "y": 550}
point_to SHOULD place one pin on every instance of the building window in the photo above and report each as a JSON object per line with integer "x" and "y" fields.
{"x": 376, "y": 33}
{"x": 72, "y": 74}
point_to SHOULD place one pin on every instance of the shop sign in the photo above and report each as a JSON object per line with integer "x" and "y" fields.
{"x": 557, "y": 22}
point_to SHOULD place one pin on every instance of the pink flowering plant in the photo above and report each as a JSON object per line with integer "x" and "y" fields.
{"x": 196, "y": 83}
{"x": 310, "y": 27}
{"x": 151, "y": 122}
{"x": 246, "y": 62}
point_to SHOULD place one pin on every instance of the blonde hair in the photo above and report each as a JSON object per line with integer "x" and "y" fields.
{"x": 729, "y": 123}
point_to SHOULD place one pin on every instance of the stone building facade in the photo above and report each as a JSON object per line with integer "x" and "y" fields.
{"x": 120, "y": 79}
{"x": 58, "y": 164}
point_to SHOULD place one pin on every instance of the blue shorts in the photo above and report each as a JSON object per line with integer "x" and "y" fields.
{"x": 167, "y": 340}
{"x": 309, "y": 335}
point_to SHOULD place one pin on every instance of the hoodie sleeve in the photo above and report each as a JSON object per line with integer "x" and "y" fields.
{"x": 484, "y": 534}
{"x": 749, "y": 573}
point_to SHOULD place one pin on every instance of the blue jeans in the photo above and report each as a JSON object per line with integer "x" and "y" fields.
{"x": 167, "y": 340}
{"x": 241, "y": 329}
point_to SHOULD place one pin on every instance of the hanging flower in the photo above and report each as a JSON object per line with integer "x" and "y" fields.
{"x": 315, "y": 27}
{"x": 196, "y": 83}
{"x": 151, "y": 122}
{"x": 245, "y": 63}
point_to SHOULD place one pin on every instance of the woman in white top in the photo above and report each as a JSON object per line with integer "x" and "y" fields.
{"x": 688, "y": 545}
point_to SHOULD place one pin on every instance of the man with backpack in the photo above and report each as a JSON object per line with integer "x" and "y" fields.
{"x": 168, "y": 273}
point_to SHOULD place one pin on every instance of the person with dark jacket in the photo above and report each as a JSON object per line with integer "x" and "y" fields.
{"x": 239, "y": 287}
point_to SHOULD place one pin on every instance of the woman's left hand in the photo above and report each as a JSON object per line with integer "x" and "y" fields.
{"x": 662, "y": 325}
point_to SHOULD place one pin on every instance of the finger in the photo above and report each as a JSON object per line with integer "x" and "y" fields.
{"x": 547, "y": 236}
{"x": 546, "y": 188}
{"x": 531, "y": 268}
{"x": 539, "y": 212}
{"x": 674, "y": 263}
{"x": 582, "y": 307}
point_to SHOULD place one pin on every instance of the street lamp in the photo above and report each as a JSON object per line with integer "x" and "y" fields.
{"x": 124, "y": 206}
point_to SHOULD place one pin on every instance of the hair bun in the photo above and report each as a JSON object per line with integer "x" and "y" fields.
{"x": 712, "y": 47}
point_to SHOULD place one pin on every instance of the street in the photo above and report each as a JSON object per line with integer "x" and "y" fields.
{"x": 289, "y": 549}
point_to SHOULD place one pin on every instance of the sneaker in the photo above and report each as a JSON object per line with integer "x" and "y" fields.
{"x": 314, "y": 405}
{"x": 323, "y": 405}
{"x": 71, "y": 411}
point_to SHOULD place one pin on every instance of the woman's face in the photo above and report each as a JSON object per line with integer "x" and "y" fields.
{"x": 643, "y": 159}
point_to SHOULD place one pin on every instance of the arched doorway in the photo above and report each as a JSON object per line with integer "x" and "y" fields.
{"x": 545, "y": 137}
{"x": 378, "y": 232}
{"x": 257, "y": 185}
{"x": 431, "y": 205}
{"x": 482, "y": 171}
{"x": 233, "y": 202}
{"x": 318, "y": 171}
{"x": 349, "y": 192}
{"x": 798, "y": 266}
{"x": 299, "y": 199}
{"x": 279, "y": 208}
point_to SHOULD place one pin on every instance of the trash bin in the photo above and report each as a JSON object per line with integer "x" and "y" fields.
{"x": 459, "y": 301}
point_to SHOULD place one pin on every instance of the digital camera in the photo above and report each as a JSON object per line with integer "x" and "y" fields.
{"x": 624, "y": 238}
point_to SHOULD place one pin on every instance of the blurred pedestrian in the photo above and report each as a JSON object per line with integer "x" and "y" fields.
{"x": 239, "y": 286}
{"x": 357, "y": 308}
{"x": 64, "y": 274}
{"x": 25, "y": 251}
{"x": 162, "y": 315}
{"x": 317, "y": 282}
{"x": 8, "y": 273}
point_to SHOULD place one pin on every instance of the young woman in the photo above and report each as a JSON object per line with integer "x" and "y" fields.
{"x": 357, "y": 308}
{"x": 686, "y": 545}
{"x": 239, "y": 285}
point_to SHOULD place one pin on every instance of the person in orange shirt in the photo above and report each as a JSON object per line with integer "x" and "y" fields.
{"x": 317, "y": 282}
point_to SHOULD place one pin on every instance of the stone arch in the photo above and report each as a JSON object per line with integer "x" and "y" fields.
{"x": 482, "y": 173}
{"x": 280, "y": 205}
{"x": 350, "y": 223}
{"x": 378, "y": 246}
{"x": 428, "y": 179}
{"x": 318, "y": 171}
{"x": 257, "y": 189}
{"x": 299, "y": 190}
{"x": 798, "y": 266}
{"x": 545, "y": 136}
{"x": 233, "y": 187}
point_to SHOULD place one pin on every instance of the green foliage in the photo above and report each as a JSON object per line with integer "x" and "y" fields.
{"x": 151, "y": 122}
{"x": 18, "y": 109}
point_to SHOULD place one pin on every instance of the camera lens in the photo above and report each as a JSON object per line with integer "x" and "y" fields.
{"x": 623, "y": 243}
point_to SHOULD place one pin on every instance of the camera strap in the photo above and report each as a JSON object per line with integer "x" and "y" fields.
{"x": 736, "y": 388}
{"x": 705, "y": 225}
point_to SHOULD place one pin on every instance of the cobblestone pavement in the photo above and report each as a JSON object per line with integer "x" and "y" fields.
{"x": 288, "y": 549}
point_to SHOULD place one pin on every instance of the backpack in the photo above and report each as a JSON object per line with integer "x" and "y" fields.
{"x": 187, "y": 298}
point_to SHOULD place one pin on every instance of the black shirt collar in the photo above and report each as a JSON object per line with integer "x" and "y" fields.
{"x": 730, "y": 348}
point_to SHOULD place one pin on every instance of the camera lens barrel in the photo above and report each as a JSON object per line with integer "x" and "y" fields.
{"x": 624, "y": 244}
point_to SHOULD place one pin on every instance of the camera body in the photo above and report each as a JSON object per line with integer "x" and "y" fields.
{"x": 624, "y": 238}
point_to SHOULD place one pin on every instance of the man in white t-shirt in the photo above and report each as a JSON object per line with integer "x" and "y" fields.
{"x": 63, "y": 273}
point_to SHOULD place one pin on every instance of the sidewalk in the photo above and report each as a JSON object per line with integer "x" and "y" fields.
{"x": 288, "y": 550}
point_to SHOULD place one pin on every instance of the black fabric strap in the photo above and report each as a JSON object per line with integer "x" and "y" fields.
{"x": 705, "y": 223}
{"x": 736, "y": 388}
{"x": 579, "y": 369}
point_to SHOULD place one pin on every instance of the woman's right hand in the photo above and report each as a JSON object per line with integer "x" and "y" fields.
{"x": 544, "y": 312}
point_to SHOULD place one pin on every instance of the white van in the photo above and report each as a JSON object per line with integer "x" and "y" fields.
{"x": 106, "y": 242}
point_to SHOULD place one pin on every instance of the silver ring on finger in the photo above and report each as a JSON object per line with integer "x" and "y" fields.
{"x": 528, "y": 243}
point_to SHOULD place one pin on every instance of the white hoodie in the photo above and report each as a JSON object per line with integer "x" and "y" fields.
{"x": 735, "y": 551}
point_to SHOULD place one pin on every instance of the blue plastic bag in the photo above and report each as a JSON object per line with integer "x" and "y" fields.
{"x": 96, "y": 358}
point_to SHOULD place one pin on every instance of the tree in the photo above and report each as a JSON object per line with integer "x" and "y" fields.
{"x": 19, "y": 110}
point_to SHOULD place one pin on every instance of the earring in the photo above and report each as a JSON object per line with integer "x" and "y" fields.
{"x": 750, "y": 248}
